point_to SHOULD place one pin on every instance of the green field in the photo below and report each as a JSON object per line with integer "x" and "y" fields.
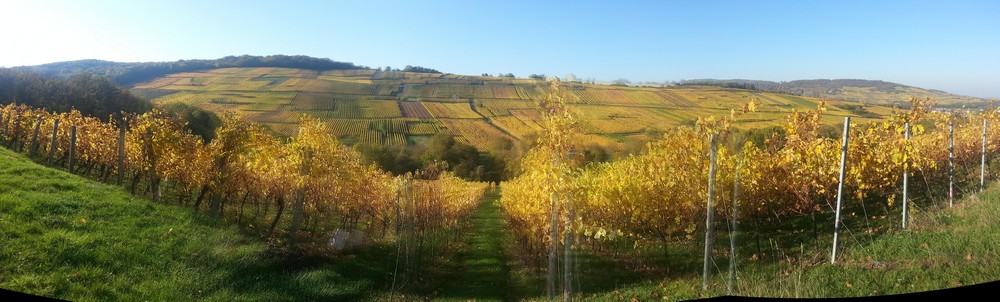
{"x": 506, "y": 109}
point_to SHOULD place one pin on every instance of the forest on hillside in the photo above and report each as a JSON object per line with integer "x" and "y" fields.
{"x": 126, "y": 74}
{"x": 90, "y": 94}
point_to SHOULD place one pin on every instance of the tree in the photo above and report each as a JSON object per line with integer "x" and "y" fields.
{"x": 409, "y": 68}
{"x": 621, "y": 82}
{"x": 201, "y": 122}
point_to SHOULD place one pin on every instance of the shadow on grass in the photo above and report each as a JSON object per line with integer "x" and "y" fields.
{"x": 348, "y": 277}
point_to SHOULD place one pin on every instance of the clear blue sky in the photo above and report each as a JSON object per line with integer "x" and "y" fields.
{"x": 948, "y": 45}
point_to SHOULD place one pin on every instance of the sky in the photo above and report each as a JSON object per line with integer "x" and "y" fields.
{"x": 948, "y": 45}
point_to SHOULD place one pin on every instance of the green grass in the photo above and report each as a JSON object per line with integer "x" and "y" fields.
{"x": 944, "y": 248}
{"x": 67, "y": 237}
{"x": 480, "y": 271}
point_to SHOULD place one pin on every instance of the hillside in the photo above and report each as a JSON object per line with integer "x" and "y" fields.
{"x": 491, "y": 113}
{"x": 127, "y": 74}
{"x": 858, "y": 91}
{"x": 67, "y": 237}
{"x": 71, "y": 238}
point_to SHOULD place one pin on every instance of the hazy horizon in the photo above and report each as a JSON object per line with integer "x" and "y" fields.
{"x": 933, "y": 45}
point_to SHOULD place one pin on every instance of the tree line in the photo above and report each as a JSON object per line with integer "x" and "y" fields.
{"x": 127, "y": 74}
{"x": 90, "y": 94}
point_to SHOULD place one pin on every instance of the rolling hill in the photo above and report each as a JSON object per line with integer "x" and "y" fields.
{"x": 851, "y": 90}
{"x": 388, "y": 108}
{"x": 127, "y": 74}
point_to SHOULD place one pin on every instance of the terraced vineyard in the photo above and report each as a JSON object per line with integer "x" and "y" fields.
{"x": 402, "y": 107}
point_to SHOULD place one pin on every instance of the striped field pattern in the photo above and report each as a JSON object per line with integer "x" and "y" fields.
{"x": 397, "y": 108}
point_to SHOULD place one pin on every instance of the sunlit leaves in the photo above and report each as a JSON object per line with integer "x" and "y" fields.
{"x": 661, "y": 193}
{"x": 245, "y": 160}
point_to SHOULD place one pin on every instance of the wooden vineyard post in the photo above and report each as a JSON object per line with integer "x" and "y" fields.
{"x": 300, "y": 199}
{"x": 713, "y": 149}
{"x": 6, "y": 130}
{"x": 52, "y": 146}
{"x": 567, "y": 256}
{"x": 34, "y": 139}
{"x": 982, "y": 165}
{"x": 411, "y": 212}
{"x": 402, "y": 228}
{"x": 840, "y": 189}
{"x": 72, "y": 148}
{"x": 567, "y": 248}
{"x": 121, "y": 150}
{"x": 11, "y": 139}
{"x": 550, "y": 280}
{"x": 732, "y": 232}
{"x": 951, "y": 164}
{"x": 4, "y": 122}
{"x": 397, "y": 208}
{"x": 154, "y": 178}
{"x": 906, "y": 174}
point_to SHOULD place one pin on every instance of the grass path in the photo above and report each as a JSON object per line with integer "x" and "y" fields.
{"x": 480, "y": 270}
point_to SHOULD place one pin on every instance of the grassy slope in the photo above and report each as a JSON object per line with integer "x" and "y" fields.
{"x": 67, "y": 237}
{"x": 944, "y": 248}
